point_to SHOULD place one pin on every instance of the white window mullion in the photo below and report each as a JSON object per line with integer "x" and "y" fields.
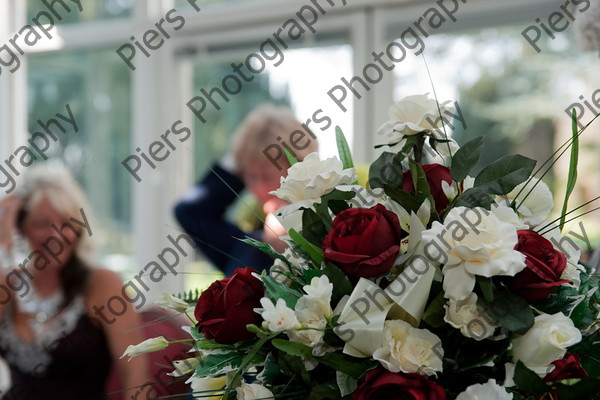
{"x": 13, "y": 85}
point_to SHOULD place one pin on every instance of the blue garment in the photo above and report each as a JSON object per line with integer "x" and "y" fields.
{"x": 201, "y": 213}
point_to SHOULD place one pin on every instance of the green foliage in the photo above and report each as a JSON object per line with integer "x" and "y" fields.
{"x": 290, "y": 157}
{"x": 573, "y": 160}
{"x": 266, "y": 248}
{"x": 275, "y": 290}
{"x": 314, "y": 252}
{"x": 510, "y": 310}
{"x": 190, "y": 297}
{"x": 340, "y": 281}
{"x": 528, "y": 380}
{"x": 465, "y": 159}
{"x": 505, "y": 174}
{"x": 386, "y": 170}
{"x": 343, "y": 148}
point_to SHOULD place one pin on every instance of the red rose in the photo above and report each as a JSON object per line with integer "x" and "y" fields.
{"x": 381, "y": 384}
{"x": 544, "y": 263}
{"x": 568, "y": 367}
{"x": 227, "y": 306}
{"x": 435, "y": 174}
{"x": 364, "y": 242}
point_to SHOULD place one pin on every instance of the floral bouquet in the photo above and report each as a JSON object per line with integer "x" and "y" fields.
{"x": 428, "y": 284}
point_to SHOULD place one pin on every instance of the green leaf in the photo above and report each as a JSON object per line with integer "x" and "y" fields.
{"x": 583, "y": 315}
{"x": 252, "y": 357}
{"x": 313, "y": 227}
{"x": 343, "y": 148}
{"x": 474, "y": 197}
{"x": 420, "y": 183}
{"x": 572, "y": 169}
{"x": 528, "y": 380}
{"x": 341, "y": 283}
{"x": 266, "y": 248}
{"x": 465, "y": 159}
{"x": 336, "y": 197}
{"x": 351, "y": 366}
{"x": 588, "y": 349}
{"x": 209, "y": 344}
{"x": 218, "y": 364}
{"x": 326, "y": 390}
{"x": 510, "y": 310}
{"x": 275, "y": 290}
{"x": 271, "y": 370}
{"x": 485, "y": 284}
{"x": 346, "y": 383}
{"x": 406, "y": 200}
{"x": 434, "y": 314}
{"x": 504, "y": 174}
{"x": 314, "y": 252}
{"x": 293, "y": 348}
{"x": 290, "y": 157}
{"x": 584, "y": 389}
{"x": 387, "y": 169}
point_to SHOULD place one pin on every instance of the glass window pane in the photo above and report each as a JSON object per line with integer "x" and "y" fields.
{"x": 97, "y": 88}
{"x": 300, "y": 81}
{"x": 92, "y": 10}
{"x": 517, "y": 98}
{"x": 183, "y": 4}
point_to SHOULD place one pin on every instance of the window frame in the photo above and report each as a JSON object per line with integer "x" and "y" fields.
{"x": 155, "y": 107}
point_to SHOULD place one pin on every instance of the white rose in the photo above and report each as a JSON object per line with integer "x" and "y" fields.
{"x": 546, "y": 341}
{"x": 487, "y": 391}
{"x": 412, "y": 115}
{"x": 467, "y": 316}
{"x": 252, "y": 391}
{"x": 409, "y": 350}
{"x": 310, "y": 179}
{"x": 278, "y": 317}
{"x": 534, "y": 202}
{"x": 472, "y": 241}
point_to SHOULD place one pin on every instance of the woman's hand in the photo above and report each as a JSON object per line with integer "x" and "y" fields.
{"x": 9, "y": 210}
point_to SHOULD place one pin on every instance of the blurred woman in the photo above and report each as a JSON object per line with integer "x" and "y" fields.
{"x": 50, "y": 333}
{"x": 202, "y": 210}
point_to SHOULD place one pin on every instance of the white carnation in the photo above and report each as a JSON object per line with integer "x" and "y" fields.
{"x": 412, "y": 115}
{"x": 409, "y": 350}
{"x": 472, "y": 321}
{"x": 310, "y": 179}
{"x": 471, "y": 242}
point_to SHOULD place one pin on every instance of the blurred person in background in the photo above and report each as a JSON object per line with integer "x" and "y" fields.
{"x": 202, "y": 210}
{"x": 50, "y": 333}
